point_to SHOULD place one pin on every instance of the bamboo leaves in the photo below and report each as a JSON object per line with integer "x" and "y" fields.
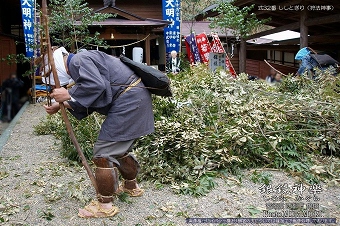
{"x": 216, "y": 124}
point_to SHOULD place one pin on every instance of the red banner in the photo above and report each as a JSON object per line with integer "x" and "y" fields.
{"x": 216, "y": 45}
{"x": 203, "y": 45}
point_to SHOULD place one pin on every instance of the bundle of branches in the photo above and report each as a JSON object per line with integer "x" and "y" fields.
{"x": 216, "y": 124}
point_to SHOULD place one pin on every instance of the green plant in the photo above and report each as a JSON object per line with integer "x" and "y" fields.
{"x": 241, "y": 21}
{"x": 47, "y": 215}
{"x": 217, "y": 125}
{"x": 191, "y": 8}
{"x": 70, "y": 21}
{"x": 253, "y": 210}
{"x": 124, "y": 197}
{"x": 262, "y": 177}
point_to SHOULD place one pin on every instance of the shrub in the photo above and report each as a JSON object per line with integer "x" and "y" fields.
{"x": 216, "y": 124}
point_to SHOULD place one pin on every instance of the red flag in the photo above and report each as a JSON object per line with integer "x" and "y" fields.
{"x": 203, "y": 45}
{"x": 216, "y": 45}
{"x": 230, "y": 66}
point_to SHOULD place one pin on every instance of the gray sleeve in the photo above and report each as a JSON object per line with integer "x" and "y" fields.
{"x": 78, "y": 111}
{"x": 91, "y": 88}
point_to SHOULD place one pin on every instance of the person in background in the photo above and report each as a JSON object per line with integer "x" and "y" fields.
{"x": 106, "y": 85}
{"x": 278, "y": 77}
{"x": 271, "y": 77}
{"x": 173, "y": 63}
{"x": 11, "y": 96}
{"x": 307, "y": 64}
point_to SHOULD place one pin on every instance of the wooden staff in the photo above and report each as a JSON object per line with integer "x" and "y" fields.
{"x": 274, "y": 68}
{"x": 48, "y": 47}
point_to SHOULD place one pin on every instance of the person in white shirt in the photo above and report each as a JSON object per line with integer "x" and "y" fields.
{"x": 173, "y": 63}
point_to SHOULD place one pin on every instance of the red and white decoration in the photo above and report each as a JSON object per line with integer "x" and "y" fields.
{"x": 204, "y": 48}
{"x": 203, "y": 45}
{"x": 217, "y": 47}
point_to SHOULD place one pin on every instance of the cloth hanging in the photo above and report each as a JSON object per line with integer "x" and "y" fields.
{"x": 58, "y": 57}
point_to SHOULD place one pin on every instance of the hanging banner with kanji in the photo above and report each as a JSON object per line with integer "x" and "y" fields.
{"x": 203, "y": 46}
{"x": 230, "y": 66}
{"x": 190, "y": 56}
{"x": 217, "y": 47}
{"x": 27, "y": 9}
{"x": 37, "y": 35}
{"x": 37, "y": 51}
{"x": 217, "y": 60}
{"x": 193, "y": 48}
{"x": 172, "y": 34}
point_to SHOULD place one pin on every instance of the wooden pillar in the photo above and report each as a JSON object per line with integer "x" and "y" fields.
{"x": 147, "y": 51}
{"x": 7, "y": 46}
{"x": 242, "y": 56}
{"x": 303, "y": 29}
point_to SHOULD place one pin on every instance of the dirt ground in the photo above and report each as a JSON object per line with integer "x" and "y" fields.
{"x": 39, "y": 187}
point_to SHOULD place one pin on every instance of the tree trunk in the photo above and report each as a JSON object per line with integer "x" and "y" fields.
{"x": 242, "y": 56}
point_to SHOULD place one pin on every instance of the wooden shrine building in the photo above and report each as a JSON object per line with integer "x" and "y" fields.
{"x": 317, "y": 21}
{"x": 136, "y": 24}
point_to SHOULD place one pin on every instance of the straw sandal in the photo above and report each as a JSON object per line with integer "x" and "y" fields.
{"x": 98, "y": 212}
{"x": 135, "y": 192}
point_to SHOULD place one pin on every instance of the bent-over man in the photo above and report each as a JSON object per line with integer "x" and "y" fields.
{"x": 106, "y": 85}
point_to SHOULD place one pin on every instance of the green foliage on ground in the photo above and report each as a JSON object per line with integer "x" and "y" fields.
{"x": 216, "y": 125}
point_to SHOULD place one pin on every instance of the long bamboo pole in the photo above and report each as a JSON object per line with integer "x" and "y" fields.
{"x": 48, "y": 47}
{"x": 274, "y": 68}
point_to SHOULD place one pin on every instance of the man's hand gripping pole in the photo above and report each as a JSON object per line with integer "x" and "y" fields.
{"x": 62, "y": 107}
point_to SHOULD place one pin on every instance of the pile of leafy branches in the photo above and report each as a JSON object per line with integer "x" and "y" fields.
{"x": 86, "y": 132}
{"x": 216, "y": 124}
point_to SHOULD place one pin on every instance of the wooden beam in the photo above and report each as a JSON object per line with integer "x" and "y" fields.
{"x": 287, "y": 48}
{"x": 107, "y": 36}
{"x": 111, "y": 10}
{"x": 323, "y": 20}
{"x": 321, "y": 39}
{"x": 259, "y": 3}
{"x": 292, "y": 26}
{"x": 311, "y": 39}
{"x": 242, "y": 2}
{"x": 147, "y": 51}
{"x": 303, "y": 29}
{"x": 290, "y": 2}
{"x": 294, "y": 48}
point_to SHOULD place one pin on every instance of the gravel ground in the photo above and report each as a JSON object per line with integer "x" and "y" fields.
{"x": 39, "y": 187}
